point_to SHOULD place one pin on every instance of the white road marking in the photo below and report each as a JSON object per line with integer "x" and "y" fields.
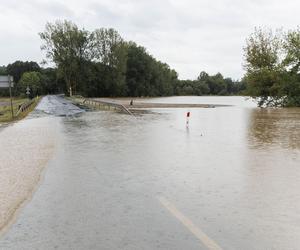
{"x": 197, "y": 232}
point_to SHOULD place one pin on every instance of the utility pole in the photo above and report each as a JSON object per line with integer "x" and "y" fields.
{"x": 11, "y": 103}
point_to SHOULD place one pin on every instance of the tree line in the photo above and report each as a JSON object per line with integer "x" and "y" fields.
{"x": 30, "y": 74}
{"x": 206, "y": 84}
{"x": 102, "y": 63}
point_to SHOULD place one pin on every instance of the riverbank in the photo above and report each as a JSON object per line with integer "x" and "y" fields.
{"x": 142, "y": 103}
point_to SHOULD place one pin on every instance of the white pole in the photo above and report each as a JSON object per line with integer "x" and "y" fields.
{"x": 11, "y": 103}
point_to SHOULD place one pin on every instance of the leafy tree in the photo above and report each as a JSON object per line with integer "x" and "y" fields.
{"x": 50, "y": 81}
{"x": 3, "y": 70}
{"x": 291, "y": 83}
{"x": 291, "y": 46}
{"x": 262, "y": 51}
{"x": 109, "y": 49}
{"x": 272, "y": 65}
{"x": 33, "y": 81}
{"x": 217, "y": 85}
{"x": 185, "y": 87}
{"x": 290, "y": 89}
{"x": 263, "y": 67}
{"x": 138, "y": 74}
{"x": 146, "y": 76}
{"x": 67, "y": 46}
{"x": 17, "y": 69}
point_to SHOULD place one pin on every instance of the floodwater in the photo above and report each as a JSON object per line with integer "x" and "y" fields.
{"x": 58, "y": 105}
{"x": 233, "y": 176}
{"x": 220, "y": 100}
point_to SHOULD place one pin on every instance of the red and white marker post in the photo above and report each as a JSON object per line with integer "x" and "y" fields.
{"x": 188, "y": 119}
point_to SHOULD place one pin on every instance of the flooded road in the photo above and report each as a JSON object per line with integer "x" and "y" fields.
{"x": 229, "y": 181}
{"x": 57, "y": 105}
{"x": 23, "y": 156}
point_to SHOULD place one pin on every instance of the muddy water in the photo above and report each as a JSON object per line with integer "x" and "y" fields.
{"x": 25, "y": 148}
{"x": 234, "y": 173}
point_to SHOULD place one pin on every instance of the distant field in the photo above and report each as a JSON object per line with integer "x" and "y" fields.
{"x": 4, "y": 101}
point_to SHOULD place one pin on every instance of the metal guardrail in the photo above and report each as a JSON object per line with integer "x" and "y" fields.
{"x": 25, "y": 106}
{"x": 99, "y": 103}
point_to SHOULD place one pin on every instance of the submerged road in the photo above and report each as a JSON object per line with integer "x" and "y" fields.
{"x": 146, "y": 182}
{"x": 59, "y": 106}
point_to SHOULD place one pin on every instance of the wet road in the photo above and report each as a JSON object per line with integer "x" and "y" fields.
{"x": 118, "y": 182}
{"x": 58, "y": 105}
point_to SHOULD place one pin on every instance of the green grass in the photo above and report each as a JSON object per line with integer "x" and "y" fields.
{"x": 5, "y": 110}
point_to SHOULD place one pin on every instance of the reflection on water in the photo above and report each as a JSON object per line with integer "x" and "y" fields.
{"x": 278, "y": 127}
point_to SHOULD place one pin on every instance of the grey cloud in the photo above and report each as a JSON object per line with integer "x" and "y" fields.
{"x": 35, "y": 8}
{"x": 53, "y": 8}
{"x": 134, "y": 16}
{"x": 189, "y": 35}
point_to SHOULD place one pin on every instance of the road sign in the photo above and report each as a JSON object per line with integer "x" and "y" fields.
{"x": 6, "y": 81}
{"x": 27, "y": 91}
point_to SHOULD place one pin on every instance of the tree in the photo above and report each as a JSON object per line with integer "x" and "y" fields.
{"x": 272, "y": 65}
{"x": 109, "y": 49}
{"x": 263, "y": 66}
{"x": 138, "y": 74}
{"x": 147, "y": 76}
{"x": 3, "y": 70}
{"x": 33, "y": 81}
{"x": 50, "y": 81}
{"x": 291, "y": 84}
{"x": 217, "y": 85}
{"x": 291, "y": 46}
{"x": 17, "y": 69}
{"x": 67, "y": 46}
{"x": 262, "y": 51}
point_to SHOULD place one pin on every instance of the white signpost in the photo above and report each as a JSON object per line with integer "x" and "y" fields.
{"x": 28, "y": 91}
{"x": 8, "y": 82}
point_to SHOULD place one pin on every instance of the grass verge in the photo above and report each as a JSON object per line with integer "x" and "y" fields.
{"x": 5, "y": 110}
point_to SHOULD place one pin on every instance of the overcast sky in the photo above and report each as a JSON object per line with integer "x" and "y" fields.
{"x": 189, "y": 35}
